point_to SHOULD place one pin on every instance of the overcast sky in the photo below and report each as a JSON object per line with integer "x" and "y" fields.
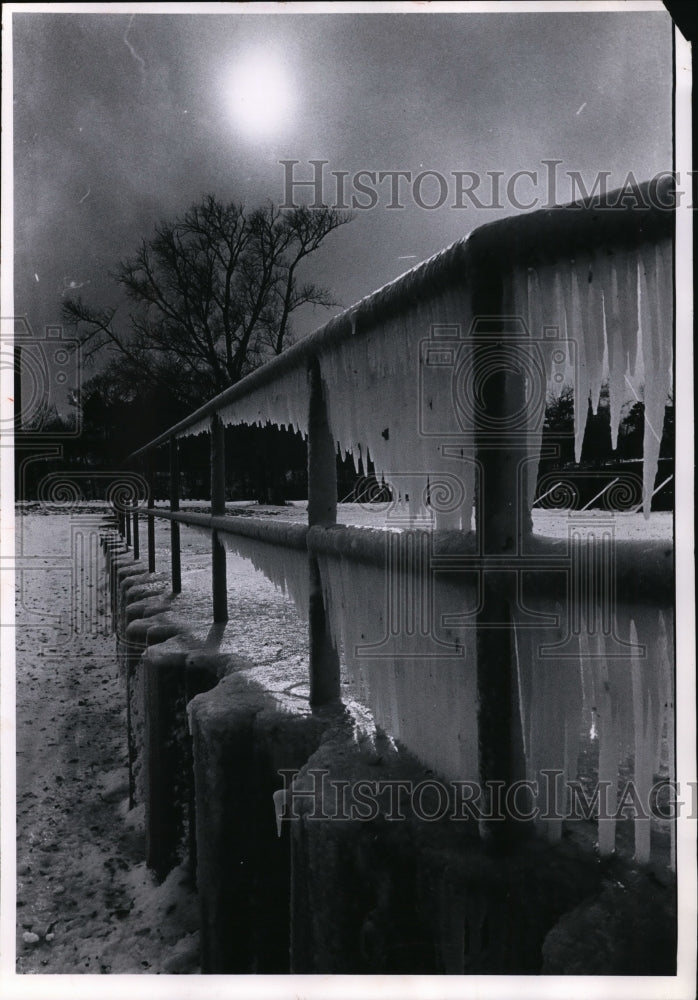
{"x": 121, "y": 120}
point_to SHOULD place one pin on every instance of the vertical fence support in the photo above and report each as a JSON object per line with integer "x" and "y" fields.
{"x": 136, "y": 534}
{"x": 218, "y": 571}
{"x": 18, "y": 392}
{"x": 127, "y": 524}
{"x": 322, "y": 509}
{"x": 151, "y": 519}
{"x": 174, "y": 525}
{"x": 501, "y": 525}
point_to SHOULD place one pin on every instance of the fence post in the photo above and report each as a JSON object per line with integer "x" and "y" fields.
{"x": 18, "y": 392}
{"x": 136, "y": 536}
{"x": 322, "y": 509}
{"x": 218, "y": 570}
{"x": 151, "y": 520}
{"x": 127, "y": 524}
{"x": 174, "y": 525}
{"x": 501, "y": 526}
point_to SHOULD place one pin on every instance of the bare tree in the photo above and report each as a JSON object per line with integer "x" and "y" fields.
{"x": 213, "y": 295}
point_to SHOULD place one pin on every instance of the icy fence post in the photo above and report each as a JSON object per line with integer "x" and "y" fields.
{"x": 218, "y": 571}
{"x": 136, "y": 535}
{"x": 18, "y": 391}
{"x": 127, "y": 524}
{"x": 501, "y": 524}
{"x": 174, "y": 525}
{"x": 322, "y": 509}
{"x": 118, "y": 514}
{"x": 151, "y": 520}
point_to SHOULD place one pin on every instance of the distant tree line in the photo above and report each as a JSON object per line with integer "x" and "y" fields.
{"x": 212, "y": 296}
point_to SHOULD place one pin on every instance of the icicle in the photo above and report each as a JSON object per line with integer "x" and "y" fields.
{"x": 380, "y": 400}
{"x": 647, "y": 716}
{"x": 593, "y": 331}
{"x": 547, "y": 296}
{"x": 608, "y": 738}
{"x": 613, "y": 275}
{"x": 656, "y": 307}
{"x": 550, "y": 703}
{"x": 200, "y": 427}
{"x": 593, "y": 302}
{"x": 427, "y": 700}
{"x": 537, "y": 382}
{"x": 283, "y": 402}
{"x": 279, "y": 798}
{"x": 581, "y": 389}
{"x": 567, "y": 287}
{"x": 628, "y": 304}
{"x": 667, "y": 701}
{"x": 285, "y": 567}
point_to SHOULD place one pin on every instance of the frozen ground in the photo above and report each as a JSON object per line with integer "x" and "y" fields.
{"x": 85, "y": 900}
{"x": 553, "y": 523}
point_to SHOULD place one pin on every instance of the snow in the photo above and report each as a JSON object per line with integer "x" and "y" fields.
{"x": 264, "y": 625}
{"x": 85, "y": 900}
{"x": 83, "y": 888}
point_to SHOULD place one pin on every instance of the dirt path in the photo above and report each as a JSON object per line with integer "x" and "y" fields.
{"x": 85, "y": 900}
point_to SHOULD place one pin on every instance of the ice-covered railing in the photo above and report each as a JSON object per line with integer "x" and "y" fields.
{"x": 598, "y": 278}
{"x": 441, "y": 377}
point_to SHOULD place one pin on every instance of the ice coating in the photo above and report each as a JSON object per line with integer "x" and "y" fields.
{"x": 285, "y": 567}
{"x": 385, "y": 401}
{"x": 595, "y": 679}
{"x": 550, "y": 705}
{"x": 610, "y": 313}
{"x": 609, "y": 691}
{"x": 594, "y": 685}
{"x": 606, "y": 314}
{"x": 416, "y": 674}
{"x": 656, "y": 324}
{"x": 283, "y": 402}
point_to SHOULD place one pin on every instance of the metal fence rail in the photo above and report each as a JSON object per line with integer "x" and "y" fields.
{"x": 474, "y": 266}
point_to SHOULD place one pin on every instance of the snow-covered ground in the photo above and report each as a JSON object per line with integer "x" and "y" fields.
{"x": 85, "y": 900}
{"x": 553, "y": 523}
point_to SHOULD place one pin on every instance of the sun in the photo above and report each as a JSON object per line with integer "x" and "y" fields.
{"x": 261, "y": 96}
